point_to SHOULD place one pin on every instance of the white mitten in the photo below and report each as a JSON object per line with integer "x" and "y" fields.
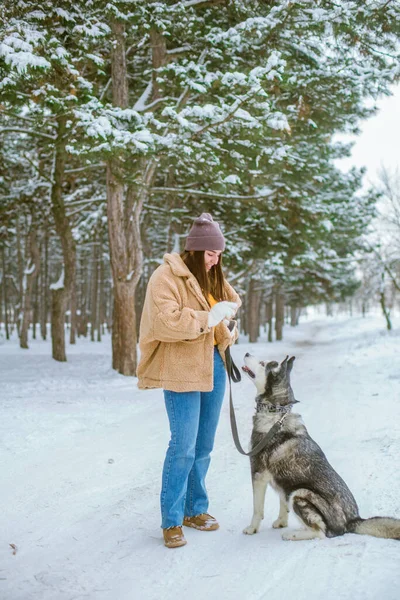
{"x": 221, "y": 310}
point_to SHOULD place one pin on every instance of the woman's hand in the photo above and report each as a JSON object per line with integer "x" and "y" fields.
{"x": 231, "y": 327}
{"x": 221, "y": 310}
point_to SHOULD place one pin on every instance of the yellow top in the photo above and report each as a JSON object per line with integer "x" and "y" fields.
{"x": 212, "y": 301}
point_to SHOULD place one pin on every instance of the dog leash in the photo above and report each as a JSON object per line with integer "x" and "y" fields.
{"x": 235, "y": 376}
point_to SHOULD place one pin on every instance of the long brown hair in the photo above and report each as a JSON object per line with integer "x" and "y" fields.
{"x": 211, "y": 282}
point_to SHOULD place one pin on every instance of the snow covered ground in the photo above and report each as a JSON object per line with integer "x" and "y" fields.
{"x": 81, "y": 458}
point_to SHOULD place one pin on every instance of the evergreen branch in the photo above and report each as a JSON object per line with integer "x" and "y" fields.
{"x": 79, "y": 169}
{"x": 209, "y": 194}
{"x": 228, "y": 117}
{"x": 143, "y": 108}
{"x": 372, "y": 49}
{"x": 103, "y": 93}
{"x": 29, "y": 132}
{"x": 80, "y": 209}
{"x": 38, "y": 169}
{"x": 185, "y": 94}
{"x": 176, "y": 51}
{"x": 68, "y": 204}
{"x": 82, "y": 205}
{"x": 197, "y": 3}
{"x": 384, "y": 6}
{"x": 140, "y": 103}
{"x": 23, "y": 117}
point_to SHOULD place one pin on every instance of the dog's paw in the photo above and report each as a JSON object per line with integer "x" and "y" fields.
{"x": 303, "y": 534}
{"x": 279, "y": 523}
{"x": 250, "y": 530}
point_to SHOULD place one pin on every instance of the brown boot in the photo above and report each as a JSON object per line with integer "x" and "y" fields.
{"x": 173, "y": 537}
{"x": 204, "y": 522}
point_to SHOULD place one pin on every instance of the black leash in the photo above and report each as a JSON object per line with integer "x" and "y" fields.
{"x": 235, "y": 376}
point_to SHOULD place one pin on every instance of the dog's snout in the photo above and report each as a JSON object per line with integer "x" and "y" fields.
{"x": 247, "y": 354}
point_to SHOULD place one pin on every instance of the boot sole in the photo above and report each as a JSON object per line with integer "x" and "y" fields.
{"x": 175, "y": 545}
{"x": 200, "y": 528}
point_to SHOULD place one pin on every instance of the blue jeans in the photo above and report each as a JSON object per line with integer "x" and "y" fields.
{"x": 193, "y": 419}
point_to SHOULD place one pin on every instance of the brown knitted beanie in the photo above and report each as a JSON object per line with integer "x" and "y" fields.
{"x": 205, "y": 234}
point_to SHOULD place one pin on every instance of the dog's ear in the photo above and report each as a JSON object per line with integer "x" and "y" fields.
{"x": 283, "y": 364}
{"x": 290, "y": 363}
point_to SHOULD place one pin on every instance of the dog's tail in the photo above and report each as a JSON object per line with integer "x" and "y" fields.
{"x": 382, "y": 527}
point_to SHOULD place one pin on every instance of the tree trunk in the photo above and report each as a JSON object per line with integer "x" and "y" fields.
{"x": 5, "y": 295}
{"x": 2, "y": 280}
{"x": 44, "y": 280}
{"x": 363, "y": 308}
{"x": 350, "y": 305}
{"x": 253, "y": 309}
{"x": 61, "y": 292}
{"x": 175, "y": 226}
{"x": 244, "y": 316}
{"x": 294, "y": 316}
{"x": 12, "y": 297}
{"x": 386, "y": 311}
{"x": 269, "y": 313}
{"x": 101, "y": 301}
{"x": 159, "y": 51}
{"x": 124, "y": 329}
{"x": 279, "y": 314}
{"x": 94, "y": 290}
{"x": 126, "y": 264}
{"x": 382, "y": 300}
{"x": 35, "y": 316}
{"x": 20, "y": 270}
{"x": 58, "y": 308}
{"x": 72, "y": 333}
{"x": 83, "y": 296}
{"x": 124, "y": 206}
{"x": 30, "y": 276}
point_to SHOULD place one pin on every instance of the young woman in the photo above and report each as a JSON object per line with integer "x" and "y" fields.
{"x": 183, "y": 337}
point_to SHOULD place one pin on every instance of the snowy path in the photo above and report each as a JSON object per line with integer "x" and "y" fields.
{"x": 81, "y": 458}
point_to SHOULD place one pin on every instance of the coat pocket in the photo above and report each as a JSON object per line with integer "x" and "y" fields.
{"x": 184, "y": 360}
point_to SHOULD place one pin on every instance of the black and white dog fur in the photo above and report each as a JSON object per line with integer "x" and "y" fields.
{"x": 295, "y": 466}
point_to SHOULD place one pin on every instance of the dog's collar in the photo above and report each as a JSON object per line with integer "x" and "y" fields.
{"x": 273, "y": 408}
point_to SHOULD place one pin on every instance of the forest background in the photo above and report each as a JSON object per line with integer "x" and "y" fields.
{"x": 122, "y": 121}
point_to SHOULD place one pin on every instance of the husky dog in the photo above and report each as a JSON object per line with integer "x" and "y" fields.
{"x": 295, "y": 466}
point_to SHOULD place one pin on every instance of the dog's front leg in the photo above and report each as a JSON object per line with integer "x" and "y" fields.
{"x": 282, "y": 520}
{"x": 260, "y": 483}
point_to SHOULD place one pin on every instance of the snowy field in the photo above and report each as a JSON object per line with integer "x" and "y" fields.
{"x": 81, "y": 458}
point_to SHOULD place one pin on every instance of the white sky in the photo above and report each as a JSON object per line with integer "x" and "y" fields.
{"x": 379, "y": 141}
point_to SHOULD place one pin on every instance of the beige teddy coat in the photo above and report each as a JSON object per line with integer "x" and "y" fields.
{"x": 176, "y": 344}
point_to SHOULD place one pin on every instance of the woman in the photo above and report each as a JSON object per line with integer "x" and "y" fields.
{"x": 183, "y": 337}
